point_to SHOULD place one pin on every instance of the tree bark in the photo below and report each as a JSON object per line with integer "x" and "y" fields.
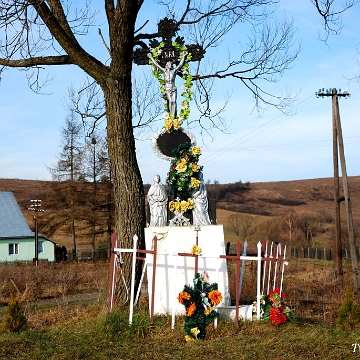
{"x": 128, "y": 186}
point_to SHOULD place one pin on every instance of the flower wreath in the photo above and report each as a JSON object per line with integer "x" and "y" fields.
{"x": 182, "y": 177}
{"x": 273, "y": 309}
{"x": 172, "y": 123}
{"x": 199, "y": 301}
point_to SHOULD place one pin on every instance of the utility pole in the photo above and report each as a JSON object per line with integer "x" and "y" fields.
{"x": 36, "y": 206}
{"x": 338, "y": 148}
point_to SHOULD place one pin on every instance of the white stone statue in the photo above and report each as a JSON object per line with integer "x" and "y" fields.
{"x": 158, "y": 199}
{"x": 169, "y": 77}
{"x": 200, "y": 210}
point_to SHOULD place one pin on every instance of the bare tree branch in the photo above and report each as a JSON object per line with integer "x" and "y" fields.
{"x": 37, "y": 61}
{"x": 332, "y": 17}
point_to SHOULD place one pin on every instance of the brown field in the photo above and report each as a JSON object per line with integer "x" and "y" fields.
{"x": 261, "y": 201}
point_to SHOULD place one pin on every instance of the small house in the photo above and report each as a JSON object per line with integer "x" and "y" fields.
{"x": 17, "y": 241}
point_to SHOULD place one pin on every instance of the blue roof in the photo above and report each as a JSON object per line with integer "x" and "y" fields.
{"x": 12, "y": 220}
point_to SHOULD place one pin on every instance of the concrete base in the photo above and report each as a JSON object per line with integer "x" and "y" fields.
{"x": 173, "y": 271}
{"x": 229, "y": 312}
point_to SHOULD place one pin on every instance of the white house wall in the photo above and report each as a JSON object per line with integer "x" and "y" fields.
{"x": 26, "y": 250}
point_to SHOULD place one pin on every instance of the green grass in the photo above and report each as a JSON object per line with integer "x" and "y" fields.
{"x": 105, "y": 337}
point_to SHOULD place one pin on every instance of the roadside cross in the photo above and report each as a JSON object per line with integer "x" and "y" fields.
{"x": 196, "y": 256}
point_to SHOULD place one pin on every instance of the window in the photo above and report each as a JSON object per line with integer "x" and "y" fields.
{"x": 40, "y": 247}
{"x": 13, "y": 249}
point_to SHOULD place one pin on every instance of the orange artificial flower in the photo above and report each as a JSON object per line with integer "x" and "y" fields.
{"x": 191, "y": 309}
{"x": 215, "y": 297}
{"x": 183, "y": 296}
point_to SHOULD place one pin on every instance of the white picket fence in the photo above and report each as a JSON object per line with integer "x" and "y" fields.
{"x": 270, "y": 263}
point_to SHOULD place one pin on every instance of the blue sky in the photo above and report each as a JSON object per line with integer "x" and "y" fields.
{"x": 273, "y": 147}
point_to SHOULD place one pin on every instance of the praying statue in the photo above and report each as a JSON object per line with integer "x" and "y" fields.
{"x": 169, "y": 77}
{"x": 157, "y": 198}
{"x": 200, "y": 210}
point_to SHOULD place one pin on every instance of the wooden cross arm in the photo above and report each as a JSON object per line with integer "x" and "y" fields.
{"x": 141, "y": 251}
{"x": 186, "y": 254}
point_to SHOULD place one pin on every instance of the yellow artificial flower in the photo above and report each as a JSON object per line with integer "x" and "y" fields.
{"x": 168, "y": 124}
{"x": 184, "y": 205}
{"x": 208, "y": 310}
{"x": 195, "y": 331}
{"x": 196, "y": 150}
{"x": 172, "y": 205}
{"x": 196, "y": 250}
{"x": 181, "y": 166}
{"x": 190, "y": 203}
{"x": 176, "y": 124}
{"x": 189, "y": 338}
{"x": 194, "y": 167}
{"x": 195, "y": 183}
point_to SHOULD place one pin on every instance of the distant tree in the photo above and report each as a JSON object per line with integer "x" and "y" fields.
{"x": 240, "y": 224}
{"x": 268, "y": 229}
{"x": 234, "y": 223}
{"x": 310, "y": 223}
{"x": 287, "y": 224}
{"x": 69, "y": 166}
{"x": 68, "y": 171}
{"x": 97, "y": 171}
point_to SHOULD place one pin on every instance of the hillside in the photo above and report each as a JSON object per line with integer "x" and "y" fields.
{"x": 275, "y": 198}
{"x": 264, "y": 199}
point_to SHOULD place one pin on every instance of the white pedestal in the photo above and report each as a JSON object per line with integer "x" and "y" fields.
{"x": 173, "y": 271}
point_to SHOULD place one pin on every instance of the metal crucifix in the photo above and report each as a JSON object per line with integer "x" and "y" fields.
{"x": 169, "y": 61}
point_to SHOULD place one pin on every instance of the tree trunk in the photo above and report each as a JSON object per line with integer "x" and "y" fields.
{"x": 128, "y": 187}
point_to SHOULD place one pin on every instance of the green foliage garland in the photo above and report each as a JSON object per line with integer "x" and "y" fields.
{"x": 172, "y": 123}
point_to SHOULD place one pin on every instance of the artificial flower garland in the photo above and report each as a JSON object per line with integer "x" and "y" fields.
{"x": 199, "y": 301}
{"x": 182, "y": 177}
{"x": 273, "y": 309}
{"x": 172, "y": 123}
